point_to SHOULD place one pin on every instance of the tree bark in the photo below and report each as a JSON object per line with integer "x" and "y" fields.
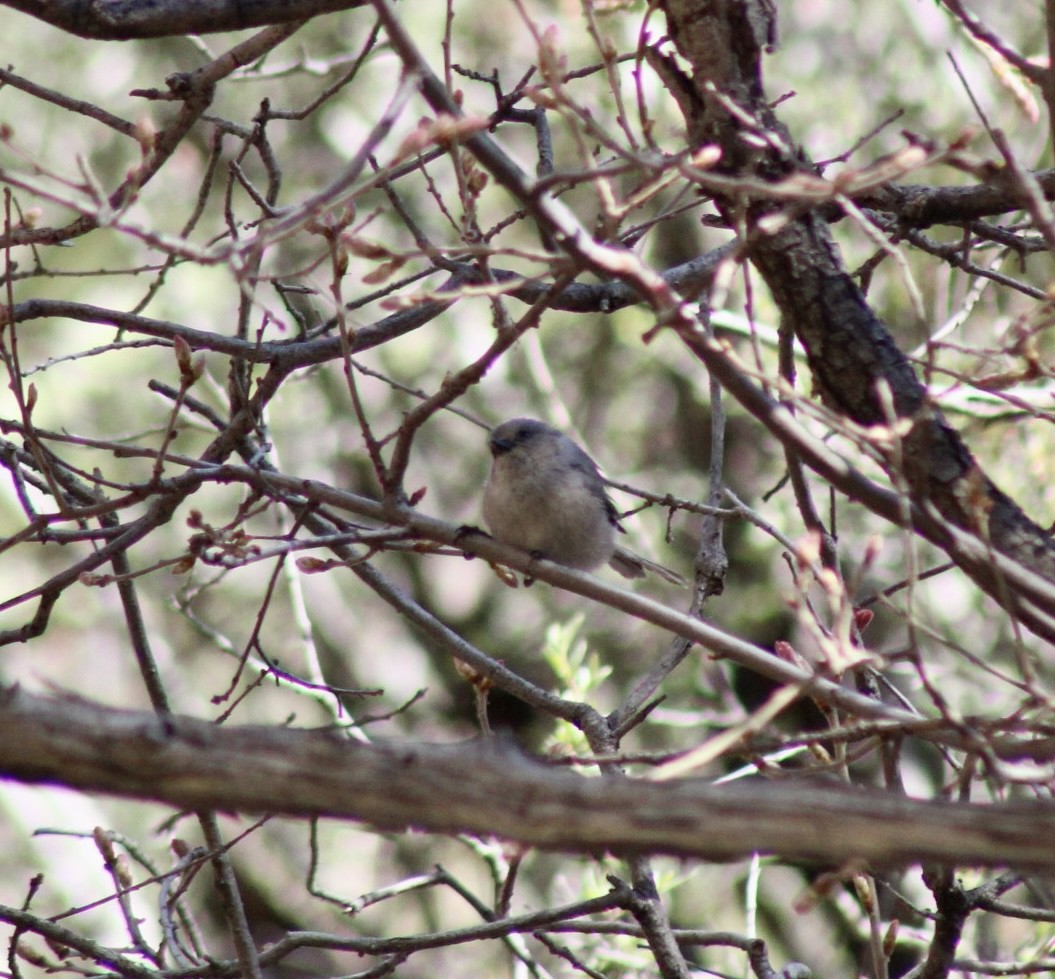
{"x": 122, "y": 20}
{"x": 856, "y": 365}
{"x": 481, "y": 788}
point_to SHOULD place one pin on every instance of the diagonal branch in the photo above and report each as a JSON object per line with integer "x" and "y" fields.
{"x": 857, "y": 366}
{"x": 855, "y": 359}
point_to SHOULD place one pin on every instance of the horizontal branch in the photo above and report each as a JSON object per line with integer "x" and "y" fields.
{"x": 290, "y": 354}
{"x": 478, "y": 788}
{"x": 692, "y": 277}
{"x": 921, "y": 206}
{"x": 121, "y": 20}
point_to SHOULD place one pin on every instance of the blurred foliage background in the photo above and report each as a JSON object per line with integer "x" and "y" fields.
{"x": 853, "y": 77}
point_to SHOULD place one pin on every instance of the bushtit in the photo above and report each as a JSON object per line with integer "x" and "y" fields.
{"x": 546, "y": 495}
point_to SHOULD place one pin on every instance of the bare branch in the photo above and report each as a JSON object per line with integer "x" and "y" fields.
{"x": 121, "y": 20}
{"x": 455, "y": 788}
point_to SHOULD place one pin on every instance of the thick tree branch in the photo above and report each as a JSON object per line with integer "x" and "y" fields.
{"x": 121, "y": 20}
{"x": 920, "y": 206}
{"x": 474, "y": 788}
{"x": 857, "y": 366}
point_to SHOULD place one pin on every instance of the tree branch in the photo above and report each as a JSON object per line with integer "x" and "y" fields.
{"x": 121, "y": 20}
{"x": 475, "y": 788}
{"x": 483, "y": 789}
{"x": 857, "y": 367}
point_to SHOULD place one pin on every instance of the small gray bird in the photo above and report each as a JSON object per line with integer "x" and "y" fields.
{"x": 546, "y": 495}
